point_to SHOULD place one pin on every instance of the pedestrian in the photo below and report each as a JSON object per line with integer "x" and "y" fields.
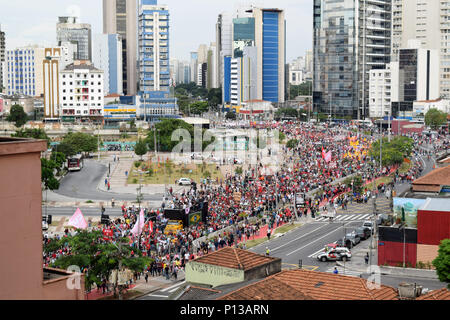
{"x": 106, "y": 182}
{"x": 109, "y": 186}
{"x": 146, "y": 276}
{"x": 335, "y": 271}
{"x": 366, "y": 258}
{"x": 267, "y": 251}
{"x": 269, "y": 231}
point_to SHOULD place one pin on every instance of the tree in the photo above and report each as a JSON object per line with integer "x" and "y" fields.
{"x": 90, "y": 252}
{"x": 141, "y": 148}
{"x": 238, "y": 171}
{"x": 81, "y": 142}
{"x": 435, "y": 118}
{"x": 291, "y": 144}
{"x": 230, "y": 115}
{"x": 357, "y": 184}
{"x": 393, "y": 152}
{"x": 47, "y": 174}
{"x": 66, "y": 148}
{"x": 17, "y": 115}
{"x": 442, "y": 262}
{"x": 287, "y": 112}
{"x": 32, "y": 133}
{"x": 198, "y": 107}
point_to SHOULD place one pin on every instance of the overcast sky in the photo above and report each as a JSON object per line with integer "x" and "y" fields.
{"x": 192, "y": 22}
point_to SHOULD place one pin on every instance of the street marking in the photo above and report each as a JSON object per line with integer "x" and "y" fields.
{"x": 338, "y": 229}
{"x": 305, "y": 267}
{"x": 359, "y": 216}
{"x": 157, "y": 295}
{"x": 340, "y": 217}
{"x": 171, "y": 287}
{"x": 365, "y": 216}
{"x": 317, "y": 252}
{"x": 349, "y": 217}
{"x": 320, "y": 219}
{"x": 298, "y": 238}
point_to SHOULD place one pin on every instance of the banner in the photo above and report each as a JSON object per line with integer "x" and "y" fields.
{"x": 195, "y": 218}
{"x": 78, "y": 221}
{"x": 139, "y": 226}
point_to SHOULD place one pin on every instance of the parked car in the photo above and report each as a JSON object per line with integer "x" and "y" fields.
{"x": 184, "y": 181}
{"x": 353, "y": 237}
{"x": 340, "y": 253}
{"x": 196, "y": 156}
{"x": 363, "y": 232}
{"x": 369, "y": 225}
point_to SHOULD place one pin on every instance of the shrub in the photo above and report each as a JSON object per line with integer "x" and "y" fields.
{"x": 137, "y": 164}
{"x": 207, "y": 174}
{"x": 135, "y": 181}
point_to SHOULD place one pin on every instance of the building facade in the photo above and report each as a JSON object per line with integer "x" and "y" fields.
{"x": 350, "y": 38}
{"x": 81, "y": 92}
{"x": 71, "y": 33}
{"x": 384, "y": 88}
{"x": 154, "y": 72}
{"x": 24, "y": 71}
{"x": 120, "y": 17}
{"x": 51, "y": 66}
{"x": 107, "y": 56}
{"x": 2, "y": 57}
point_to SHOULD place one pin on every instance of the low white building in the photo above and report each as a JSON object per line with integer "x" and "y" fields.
{"x": 296, "y": 77}
{"x": 420, "y": 108}
{"x": 81, "y": 92}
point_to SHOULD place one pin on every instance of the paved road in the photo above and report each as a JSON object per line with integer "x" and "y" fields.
{"x": 83, "y": 185}
{"x": 89, "y": 212}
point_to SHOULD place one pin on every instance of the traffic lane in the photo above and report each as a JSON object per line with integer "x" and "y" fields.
{"x": 290, "y": 239}
{"x": 83, "y": 185}
{"x": 313, "y": 243}
{"x": 394, "y": 281}
{"x": 69, "y": 211}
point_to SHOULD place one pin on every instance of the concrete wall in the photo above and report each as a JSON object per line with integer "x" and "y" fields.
{"x": 57, "y": 289}
{"x": 263, "y": 271}
{"x": 21, "y": 272}
{"x": 212, "y": 275}
{"x": 426, "y": 253}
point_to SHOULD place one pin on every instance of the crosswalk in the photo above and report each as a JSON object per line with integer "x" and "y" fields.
{"x": 346, "y": 217}
{"x": 166, "y": 292}
{"x": 343, "y": 271}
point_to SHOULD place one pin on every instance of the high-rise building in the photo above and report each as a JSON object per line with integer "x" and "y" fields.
{"x": 107, "y": 56}
{"x": 154, "y": 62}
{"x": 350, "y": 39}
{"x": 120, "y": 17}
{"x": 194, "y": 67}
{"x": 224, "y": 30}
{"x": 270, "y": 41}
{"x": 426, "y": 21}
{"x": 212, "y": 79}
{"x": 2, "y": 56}
{"x": 51, "y": 64}
{"x": 81, "y": 92}
{"x": 76, "y": 35}
{"x": 23, "y": 70}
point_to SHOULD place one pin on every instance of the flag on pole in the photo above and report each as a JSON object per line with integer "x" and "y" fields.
{"x": 139, "y": 226}
{"x": 328, "y": 156}
{"x": 78, "y": 221}
{"x": 151, "y": 226}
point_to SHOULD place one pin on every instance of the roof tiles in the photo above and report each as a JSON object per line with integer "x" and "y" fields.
{"x": 441, "y": 294}
{"x": 235, "y": 258}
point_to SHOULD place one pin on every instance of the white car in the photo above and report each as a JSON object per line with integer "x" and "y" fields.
{"x": 184, "y": 181}
{"x": 369, "y": 225}
{"x": 196, "y": 156}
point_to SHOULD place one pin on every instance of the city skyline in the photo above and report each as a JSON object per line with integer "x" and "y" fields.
{"x": 23, "y": 27}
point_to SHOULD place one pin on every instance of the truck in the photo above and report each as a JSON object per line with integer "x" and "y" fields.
{"x": 173, "y": 226}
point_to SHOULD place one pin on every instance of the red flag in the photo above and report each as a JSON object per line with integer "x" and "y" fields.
{"x": 151, "y": 226}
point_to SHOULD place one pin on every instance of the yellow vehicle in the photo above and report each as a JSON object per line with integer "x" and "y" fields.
{"x": 173, "y": 226}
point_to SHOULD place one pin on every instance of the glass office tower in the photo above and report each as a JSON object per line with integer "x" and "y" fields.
{"x": 351, "y": 37}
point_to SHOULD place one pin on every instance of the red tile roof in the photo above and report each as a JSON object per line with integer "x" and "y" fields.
{"x": 441, "y": 294}
{"x": 312, "y": 285}
{"x": 433, "y": 180}
{"x": 235, "y": 258}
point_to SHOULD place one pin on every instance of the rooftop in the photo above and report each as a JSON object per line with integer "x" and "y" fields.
{"x": 9, "y": 145}
{"x": 235, "y": 258}
{"x": 433, "y": 181}
{"x": 436, "y": 204}
{"x": 311, "y": 285}
{"x": 441, "y": 294}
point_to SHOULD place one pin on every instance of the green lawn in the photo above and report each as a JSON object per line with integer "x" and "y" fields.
{"x": 170, "y": 172}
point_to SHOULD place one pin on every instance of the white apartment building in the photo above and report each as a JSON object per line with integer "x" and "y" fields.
{"x": 383, "y": 89}
{"x": 81, "y": 91}
{"x": 235, "y": 82}
{"x": 296, "y": 77}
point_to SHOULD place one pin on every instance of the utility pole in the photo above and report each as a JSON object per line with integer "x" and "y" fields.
{"x": 98, "y": 143}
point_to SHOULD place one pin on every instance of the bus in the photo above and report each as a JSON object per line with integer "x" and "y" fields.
{"x": 75, "y": 163}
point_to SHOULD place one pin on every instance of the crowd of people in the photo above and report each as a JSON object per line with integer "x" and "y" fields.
{"x": 240, "y": 205}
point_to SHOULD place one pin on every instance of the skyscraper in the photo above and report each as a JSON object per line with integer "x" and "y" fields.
{"x": 107, "y": 56}
{"x": 2, "y": 55}
{"x": 70, "y": 33}
{"x": 350, "y": 39}
{"x": 120, "y": 17}
{"x": 154, "y": 72}
{"x": 426, "y": 21}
